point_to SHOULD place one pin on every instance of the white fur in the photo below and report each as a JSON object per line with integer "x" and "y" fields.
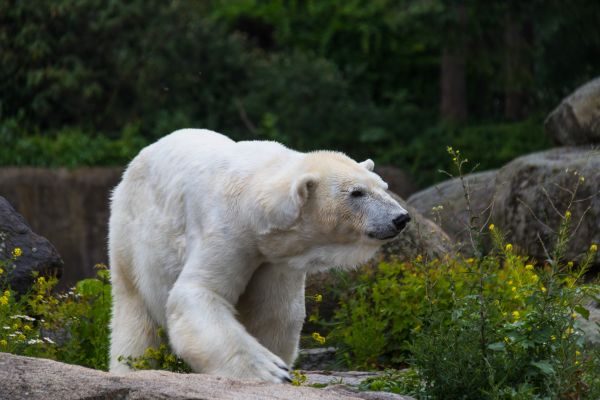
{"x": 212, "y": 239}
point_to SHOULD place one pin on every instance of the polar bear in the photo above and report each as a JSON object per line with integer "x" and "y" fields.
{"x": 212, "y": 240}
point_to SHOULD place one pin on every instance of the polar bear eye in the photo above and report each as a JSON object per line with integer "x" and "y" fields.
{"x": 357, "y": 193}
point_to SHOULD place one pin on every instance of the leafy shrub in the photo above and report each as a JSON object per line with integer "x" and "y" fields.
{"x": 493, "y": 326}
{"x": 70, "y": 327}
{"x": 67, "y": 148}
{"x": 494, "y": 144}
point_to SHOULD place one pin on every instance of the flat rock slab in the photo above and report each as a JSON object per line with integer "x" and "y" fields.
{"x": 26, "y": 378}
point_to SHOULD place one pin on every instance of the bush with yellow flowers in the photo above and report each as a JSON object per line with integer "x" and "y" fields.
{"x": 496, "y": 326}
{"x": 71, "y": 327}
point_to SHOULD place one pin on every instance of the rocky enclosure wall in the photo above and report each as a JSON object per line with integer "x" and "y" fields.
{"x": 69, "y": 207}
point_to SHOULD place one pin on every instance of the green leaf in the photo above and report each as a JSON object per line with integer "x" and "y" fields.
{"x": 498, "y": 346}
{"x": 584, "y": 312}
{"x": 544, "y": 366}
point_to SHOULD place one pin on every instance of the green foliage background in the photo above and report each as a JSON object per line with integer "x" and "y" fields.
{"x": 88, "y": 82}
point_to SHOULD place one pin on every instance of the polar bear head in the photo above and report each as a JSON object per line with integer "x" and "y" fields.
{"x": 331, "y": 200}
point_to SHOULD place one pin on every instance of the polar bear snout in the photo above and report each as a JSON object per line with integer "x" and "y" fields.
{"x": 390, "y": 229}
{"x": 400, "y": 221}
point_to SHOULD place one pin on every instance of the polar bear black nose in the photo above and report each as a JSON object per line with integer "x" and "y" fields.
{"x": 400, "y": 221}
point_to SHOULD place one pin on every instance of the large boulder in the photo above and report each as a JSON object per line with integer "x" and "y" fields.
{"x": 533, "y": 192}
{"x": 576, "y": 120}
{"x": 26, "y": 378}
{"x": 38, "y": 255}
{"x": 446, "y": 204}
{"x": 420, "y": 237}
{"x": 526, "y": 198}
{"x": 70, "y": 207}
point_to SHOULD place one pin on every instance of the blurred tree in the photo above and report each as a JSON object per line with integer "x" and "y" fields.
{"x": 453, "y": 65}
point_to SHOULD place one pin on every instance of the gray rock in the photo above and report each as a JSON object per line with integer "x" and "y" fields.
{"x": 38, "y": 254}
{"x": 70, "y": 207}
{"x": 399, "y": 181}
{"x": 532, "y": 193}
{"x": 420, "y": 237}
{"x": 591, "y": 326}
{"x": 25, "y": 378}
{"x": 316, "y": 359}
{"x": 576, "y": 120}
{"x": 453, "y": 216}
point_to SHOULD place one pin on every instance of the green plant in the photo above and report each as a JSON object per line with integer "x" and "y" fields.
{"x": 71, "y": 327}
{"x": 494, "y": 326}
{"x": 405, "y": 382}
{"x": 157, "y": 358}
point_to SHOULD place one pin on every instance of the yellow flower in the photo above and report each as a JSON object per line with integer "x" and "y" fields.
{"x": 582, "y": 178}
{"x": 26, "y": 328}
{"x": 17, "y": 252}
{"x": 7, "y": 293}
{"x": 419, "y": 258}
{"x": 514, "y": 289}
{"x": 39, "y": 297}
{"x": 21, "y": 337}
{"x": 593, "y": 248}
{"x": 318, "y": 298}
{"x": 509, "y": 247}
{"x": 510, "y": 282}
{"x": 516, "y": 314}
{"x": 316, "y": 336}
{"x": 553, "y": 338}
{"x": 3, "y": 343}
{"x": 1, "y": 271}
{"x": 535, "y": 278}
{"x": 529, "y": 267}
{"x": 3, "y": 301}
{"x": 543, "y": 289}
{"x": 41, "y": 280}
{"x": 470, "y": 260}
{"x": 577, "y": 353}
{"x": 491, "y": 227}
{"x": 570, "y": 264}
{"x": 569, "y": 331}
{"x": 568, "y": 215}
{"x": 506, "y": 339}
{"x": 504, "y": 314}
{"x": 574, "y": 315}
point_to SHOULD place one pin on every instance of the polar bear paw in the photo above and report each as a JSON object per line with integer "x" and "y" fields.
{"x": 258, "y": 365}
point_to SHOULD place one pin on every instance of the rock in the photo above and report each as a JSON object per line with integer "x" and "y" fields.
{"x": 576, "y": 120}
{"x": 420, "y": 237}
{"x": 26, "y": 378}
{"x": 70, "y": 207}
{"x": 591, "y": 326}
{"x": 37, "y": 253}
{"x": 398, "y": 181}
{"x": 453, "y": 217}
{"x": 317, "y": 358}
{"x": 532, "y": 194}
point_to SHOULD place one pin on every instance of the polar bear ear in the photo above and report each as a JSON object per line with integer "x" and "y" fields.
{"x": 368, "y": 164}
{"x": 284, "y": 210}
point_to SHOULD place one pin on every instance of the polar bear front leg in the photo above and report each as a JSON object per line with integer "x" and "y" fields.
{"x": 204, "y": 332}
{"x": 273, "y": 309}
